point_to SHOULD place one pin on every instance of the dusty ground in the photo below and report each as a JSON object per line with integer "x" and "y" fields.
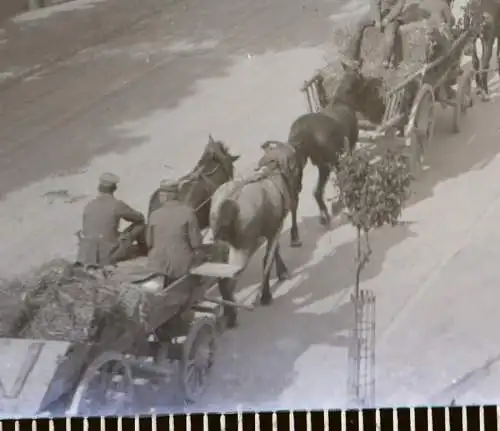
{"x": 163, "y": 78}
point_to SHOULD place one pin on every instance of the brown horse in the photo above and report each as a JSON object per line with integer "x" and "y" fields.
{"x": 245, "y": 211}
{"x": 215, "y": 167}
{"x": 322, "y": 137}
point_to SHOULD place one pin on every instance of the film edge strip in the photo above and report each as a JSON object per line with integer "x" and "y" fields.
{"x": 436, "y": 418}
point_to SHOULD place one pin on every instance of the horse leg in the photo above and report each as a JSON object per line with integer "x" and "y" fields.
{"x": 294, "y": 231}
{"x": 266, "y": 298}
{"x": 476, "y": 65}
{"x": 323, "y": 175}
{"x": 226, "y": 289}
{"x": 486, "y": 59}
{"x": 281, "y": 269}
{"x": 228, "y": 286}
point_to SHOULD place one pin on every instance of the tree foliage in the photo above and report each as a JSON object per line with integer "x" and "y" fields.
{"x": 373, "y": 192}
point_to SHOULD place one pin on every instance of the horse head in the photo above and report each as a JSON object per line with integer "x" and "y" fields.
{"x": 362, "y": 93}
{"x": 217, "y": 153}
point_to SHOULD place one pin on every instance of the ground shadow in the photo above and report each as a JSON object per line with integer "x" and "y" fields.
{"x": 452, "y": 155}
{"x": 318, "y": 310}
{"x": 102, "y": 81}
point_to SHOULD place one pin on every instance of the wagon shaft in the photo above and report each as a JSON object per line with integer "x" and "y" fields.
{"x": 30, "y": 375}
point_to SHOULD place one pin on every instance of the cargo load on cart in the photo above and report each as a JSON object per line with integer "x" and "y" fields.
{"x": 82, "y": 335}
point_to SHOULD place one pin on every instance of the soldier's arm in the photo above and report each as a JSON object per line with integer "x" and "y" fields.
{"x": 395, "y": 11}
{"x": 129, "y": 214}
{"x": 194, "y": 232}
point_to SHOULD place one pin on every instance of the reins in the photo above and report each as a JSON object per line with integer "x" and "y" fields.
{"x": 198, "y": 173}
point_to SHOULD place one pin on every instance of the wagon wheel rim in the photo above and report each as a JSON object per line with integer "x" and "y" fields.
{"x": 420, "y": 128}
{"x": 111, "y": 388}
{"x": 464, "y": 100}
{"x": 424, "y": 120}
{"x": 106, "y": 384}
{"x": 467, "y": 97}
{"x": 198, "y": 358}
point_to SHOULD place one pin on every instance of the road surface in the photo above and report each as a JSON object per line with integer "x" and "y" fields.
{"x": 163, "y": 78}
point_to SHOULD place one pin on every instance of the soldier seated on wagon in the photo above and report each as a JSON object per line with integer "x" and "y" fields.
{"x": 440, "y": 34}
{"x": 385, "y": 16}
{"x": 100, "y": 242}
{"x": 173, "y": 235}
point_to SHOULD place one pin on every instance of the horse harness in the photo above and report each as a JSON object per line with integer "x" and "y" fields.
{"x": 197, "y": 174}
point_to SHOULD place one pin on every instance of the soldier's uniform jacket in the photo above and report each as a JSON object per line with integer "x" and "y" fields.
{"x": 100, "y": 234}
{"x": 172, "y": 235}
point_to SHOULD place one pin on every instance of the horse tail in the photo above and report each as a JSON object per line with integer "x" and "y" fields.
{"x": 225, "y": 225}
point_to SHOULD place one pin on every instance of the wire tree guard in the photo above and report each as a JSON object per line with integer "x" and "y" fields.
{"x": 361, "y": 378}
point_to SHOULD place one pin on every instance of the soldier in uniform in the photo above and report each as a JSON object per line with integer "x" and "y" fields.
{"x": 101, "y": 243}
{"x": 384, "y": 15}
{"x": 173, "y": 235}
{"x": 440, "y": 35}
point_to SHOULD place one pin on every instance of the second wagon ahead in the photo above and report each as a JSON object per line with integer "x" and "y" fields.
{"x": 409, "y": 106}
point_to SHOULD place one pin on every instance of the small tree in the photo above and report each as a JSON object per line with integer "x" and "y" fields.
{"x": 373, "y": 193}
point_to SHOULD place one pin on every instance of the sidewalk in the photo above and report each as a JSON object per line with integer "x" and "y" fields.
{"x": 32, "y": 41}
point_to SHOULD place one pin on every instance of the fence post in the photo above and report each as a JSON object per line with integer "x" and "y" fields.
{"x": 361, "y": 378}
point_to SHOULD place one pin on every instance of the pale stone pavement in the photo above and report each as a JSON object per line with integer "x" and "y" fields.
{"x": 179, "y": 73}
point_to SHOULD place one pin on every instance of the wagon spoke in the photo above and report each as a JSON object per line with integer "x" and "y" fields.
{"x": 198, "y": 379}
{"x": 190, "y": 370}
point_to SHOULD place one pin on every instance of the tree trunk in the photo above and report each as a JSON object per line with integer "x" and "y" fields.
{"x": 359, "y": 262}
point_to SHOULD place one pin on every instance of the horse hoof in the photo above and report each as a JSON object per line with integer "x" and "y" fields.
{"x": 284, "y": 276}
{"x": 266, "y": 300}
{"x": 324, "y": 221}
{"x": 296, "y": 243}
{"x": 231, "y": 324}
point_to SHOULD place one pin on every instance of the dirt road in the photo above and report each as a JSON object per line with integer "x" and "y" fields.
{"x": 148, "y": 96}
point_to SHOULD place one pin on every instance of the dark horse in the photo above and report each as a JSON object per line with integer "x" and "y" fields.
{"x": 215, "y": 167}
{"x": 323, "y": 136}
{"x": 247, "y": 210}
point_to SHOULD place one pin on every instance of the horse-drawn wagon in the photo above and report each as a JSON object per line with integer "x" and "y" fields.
{"x": 408, "y": 107}
{"x": 170, "y": 337}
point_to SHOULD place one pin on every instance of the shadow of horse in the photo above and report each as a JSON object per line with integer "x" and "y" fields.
{"x": 312, "y": 311}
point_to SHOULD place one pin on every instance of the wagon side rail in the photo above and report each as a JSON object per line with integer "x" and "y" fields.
{"x": 315, "y": 93}
{"x": 453, "y": 54}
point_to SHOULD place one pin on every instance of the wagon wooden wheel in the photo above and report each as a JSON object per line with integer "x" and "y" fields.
{"x": 197, "y": 358}
{"x": 420, "y": 127}
{"x": 463, "y": 100}
{"x": 107, "y": 385}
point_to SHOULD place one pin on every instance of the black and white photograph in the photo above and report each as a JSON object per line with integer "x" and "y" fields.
{"x": 233, "y": 205}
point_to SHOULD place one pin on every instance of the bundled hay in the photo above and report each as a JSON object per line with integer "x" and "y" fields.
{"x": 415, "y": 49}
{"x": 59, "y": 302}
{"x": 15, "y": 306}
{"x": 48, "y": 305}
{"x": 418, "y": 45}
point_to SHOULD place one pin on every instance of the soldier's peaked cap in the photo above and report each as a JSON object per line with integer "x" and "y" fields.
{"x": 108, "y": 179}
